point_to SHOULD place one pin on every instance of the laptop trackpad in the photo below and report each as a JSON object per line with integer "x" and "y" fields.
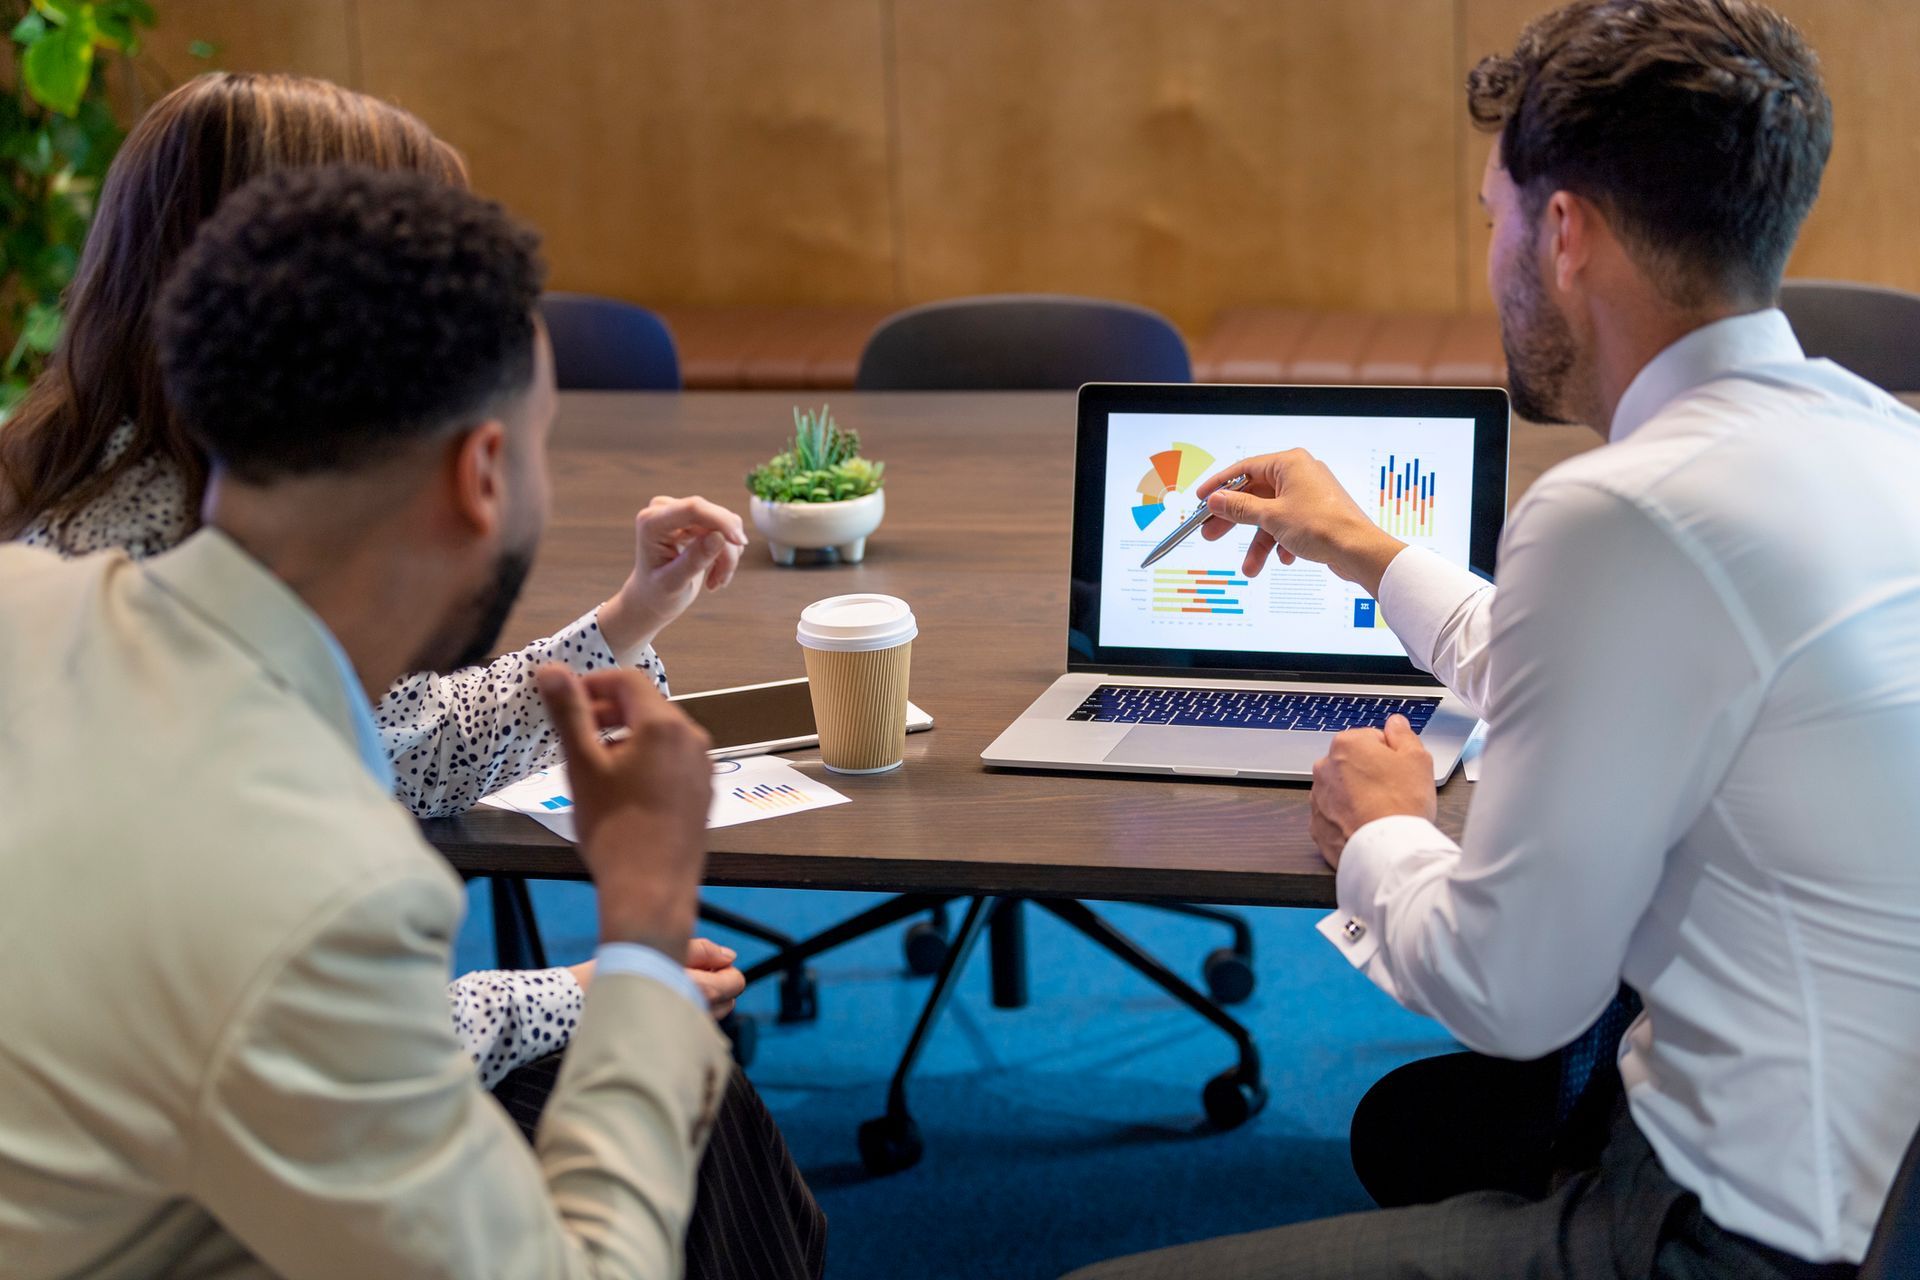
{"x": 1206, "y": 747}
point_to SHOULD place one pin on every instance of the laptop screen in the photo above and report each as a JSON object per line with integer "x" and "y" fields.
{"x": 1427, "y": 465}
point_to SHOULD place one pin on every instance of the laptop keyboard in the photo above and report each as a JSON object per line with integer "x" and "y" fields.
{"x": 1250, "y": 709}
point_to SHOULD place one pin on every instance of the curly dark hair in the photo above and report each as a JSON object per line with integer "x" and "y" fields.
{"x": 1701, "y": 127}
{"x": 322, "y": 317}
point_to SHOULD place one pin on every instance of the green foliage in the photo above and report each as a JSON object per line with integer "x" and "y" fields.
{"x": 823, "y": 464}
{"x": 57, "y": 136}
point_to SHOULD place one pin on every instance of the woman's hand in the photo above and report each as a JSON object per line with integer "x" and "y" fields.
{"x": 682, "y": 546}
{"x": 710, "y": 965}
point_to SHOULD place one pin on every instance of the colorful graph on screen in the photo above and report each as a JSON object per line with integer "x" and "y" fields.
{"x": 1199, "y": 591}
{"x": 1174, "y": 470}
{"x": 1407, "y": 498}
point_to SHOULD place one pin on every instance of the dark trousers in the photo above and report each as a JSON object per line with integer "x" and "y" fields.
{"x": 753, "y": 1216}
{"x": 1485, "y": 1184}
{"x": 1462, "y": 1122}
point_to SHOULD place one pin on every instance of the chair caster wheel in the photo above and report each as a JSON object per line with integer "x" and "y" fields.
{"x": 743, "y": 1034}
{"x": 1229, "y": 975}
{"x": 926, "y": 948}
{"x": 1231, "y": 1101}
{"x": 799, "y": 996}
{"x": 889, "y": 1144}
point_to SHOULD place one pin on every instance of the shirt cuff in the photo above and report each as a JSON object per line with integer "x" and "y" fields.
{"x": 646, "y": 962}
{"x": 1419, "y": 594}
{"x": 1366, "y": 861}
{"x": 1350, "y": 935}
{"x": 639, "y": 657}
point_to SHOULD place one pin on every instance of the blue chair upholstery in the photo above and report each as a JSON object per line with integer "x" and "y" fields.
{"x": 1870, "y": 329}
{"x": 600, "y": 344}
{"x": 1021, "y": 342}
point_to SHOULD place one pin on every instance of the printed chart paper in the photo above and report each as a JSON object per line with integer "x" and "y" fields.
{"x": 743, "y": 791}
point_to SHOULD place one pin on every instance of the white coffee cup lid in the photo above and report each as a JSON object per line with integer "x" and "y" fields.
{"x": 856, "y": 623}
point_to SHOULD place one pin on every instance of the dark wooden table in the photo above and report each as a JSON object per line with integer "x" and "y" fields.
{"x": 978, "y": 497}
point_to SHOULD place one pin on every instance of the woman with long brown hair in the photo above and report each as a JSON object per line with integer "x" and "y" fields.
{"x": 97, "y": 417}
{"x": 92, "y": 460}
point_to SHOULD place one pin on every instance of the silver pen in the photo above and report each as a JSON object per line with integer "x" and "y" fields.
{"x": 1192, "y": 522}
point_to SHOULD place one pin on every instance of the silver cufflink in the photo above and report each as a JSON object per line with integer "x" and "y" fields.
{"x": 1354, "y": 930}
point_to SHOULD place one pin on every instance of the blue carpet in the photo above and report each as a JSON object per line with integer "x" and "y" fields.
{"x": 1064, "y": 1132}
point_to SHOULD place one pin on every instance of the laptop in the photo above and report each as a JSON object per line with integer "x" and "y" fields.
{"x": 1190, "y": 667}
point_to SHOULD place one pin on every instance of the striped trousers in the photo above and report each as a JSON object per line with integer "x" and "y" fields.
{"x": 753, "y": 1216}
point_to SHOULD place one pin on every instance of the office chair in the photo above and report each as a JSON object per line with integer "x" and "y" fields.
{"x": 1872, "y": 330}
{"x": 601, "y": 344}
{"x": 1895, "y": 1247}
{"x": 1021, "y": 342}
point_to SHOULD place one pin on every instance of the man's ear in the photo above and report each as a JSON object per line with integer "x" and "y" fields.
{"x": 477, "y": 465}
{"x": 1569, "y": 226}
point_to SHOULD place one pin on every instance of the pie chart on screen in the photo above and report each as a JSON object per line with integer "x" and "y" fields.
{"x": 1175, "y": 469}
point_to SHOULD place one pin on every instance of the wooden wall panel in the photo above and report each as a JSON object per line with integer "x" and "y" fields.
{"x": 675, "y": 151}
{"x": 1861, "y": 229}
{"x": 1189, "y": 156}
{"x": 1192, "y": 156}
{"x": 310, "y": 37}
{"x": 1863, "y": 226}
{"x": 1486, "y": 26}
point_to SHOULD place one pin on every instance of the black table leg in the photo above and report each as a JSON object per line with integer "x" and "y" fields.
{"x": 516, "y": 933}
{"x": 1007, "y": 954}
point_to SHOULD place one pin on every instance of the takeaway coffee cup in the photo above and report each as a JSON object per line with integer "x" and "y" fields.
{"x": 858, "y": 649}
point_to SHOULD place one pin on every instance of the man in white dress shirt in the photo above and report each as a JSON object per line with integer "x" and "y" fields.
{"x": 226, "y": 1048}
{"x": 1701, "y": 672}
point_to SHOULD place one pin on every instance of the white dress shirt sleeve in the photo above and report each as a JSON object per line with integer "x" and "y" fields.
{"x": 1621, "y": 683}
{"x": 1442, "y": 613}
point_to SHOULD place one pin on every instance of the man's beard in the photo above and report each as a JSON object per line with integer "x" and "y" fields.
{"x": 468, "y": 639}
{"x": 1538, "y": 344}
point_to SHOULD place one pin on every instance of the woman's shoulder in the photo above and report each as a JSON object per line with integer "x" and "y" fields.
{"x": 143, "y": 512}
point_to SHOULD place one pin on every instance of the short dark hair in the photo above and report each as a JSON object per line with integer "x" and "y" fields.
{"x": 323, "y": 317}
{"x": 1699, "y": 126}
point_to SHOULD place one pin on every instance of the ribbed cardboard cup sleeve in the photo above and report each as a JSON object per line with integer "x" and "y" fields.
{"x": 860, "y": 706}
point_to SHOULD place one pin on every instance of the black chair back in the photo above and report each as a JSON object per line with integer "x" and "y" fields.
{"x": 600, "y": 344}
{"x": 1021, "y": 342}
{"x": 1870, "y": 329}
{"x": 1895, "y": 1248}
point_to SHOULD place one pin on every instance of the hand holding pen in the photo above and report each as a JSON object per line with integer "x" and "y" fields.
{"x": 1186, "y": 527}
{"x": 1298, "y": 509}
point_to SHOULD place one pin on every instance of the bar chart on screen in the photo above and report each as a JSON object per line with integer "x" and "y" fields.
{"x": 1212, "y": 591}
{"x": 1409, "y": 492}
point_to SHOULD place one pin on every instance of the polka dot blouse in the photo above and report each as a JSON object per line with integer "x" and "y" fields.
{"x": 452, "y": 740}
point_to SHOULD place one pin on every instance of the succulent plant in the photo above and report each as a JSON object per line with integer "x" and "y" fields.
{"x": 822, "y": 464}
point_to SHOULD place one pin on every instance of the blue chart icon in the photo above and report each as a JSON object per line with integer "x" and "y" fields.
{"x": 1364, "y": 613}
{"x": 556, "y": 802}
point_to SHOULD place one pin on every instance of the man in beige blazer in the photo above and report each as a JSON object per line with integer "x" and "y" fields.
{"x": 224, "y": 1048}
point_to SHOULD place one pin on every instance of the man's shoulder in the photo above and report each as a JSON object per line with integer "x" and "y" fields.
{"x": 1612, "y": 480}
{"x": 157, "y": 753}
{"x": 286, "y": 809}
{"x": 29, "y": 567}
{"x": 1697, "y": 460}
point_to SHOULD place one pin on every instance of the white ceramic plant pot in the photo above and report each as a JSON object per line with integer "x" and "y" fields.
{"x": 844, "y": 526}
